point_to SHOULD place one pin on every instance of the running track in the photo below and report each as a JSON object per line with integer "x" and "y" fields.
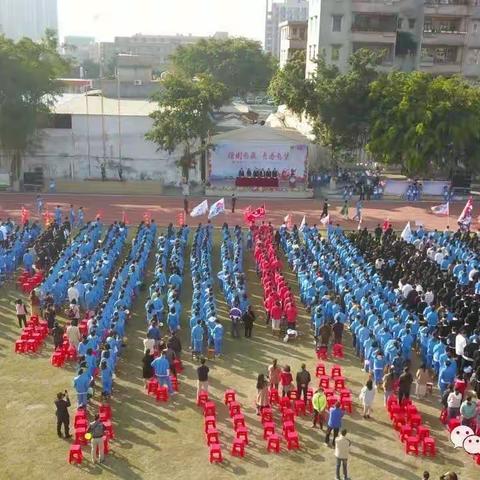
{"x": 165, "y": 209}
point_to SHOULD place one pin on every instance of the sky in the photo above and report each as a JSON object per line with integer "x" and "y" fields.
{"x": 105, "y": 19}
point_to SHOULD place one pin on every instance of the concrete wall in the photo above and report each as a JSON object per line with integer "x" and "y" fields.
{"x": 63, "y": 153}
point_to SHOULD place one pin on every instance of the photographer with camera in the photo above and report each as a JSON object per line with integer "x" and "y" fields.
{"x": 62, "y": 403}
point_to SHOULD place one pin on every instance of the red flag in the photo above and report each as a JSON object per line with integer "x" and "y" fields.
{"x": 47, "y": 218}
{"x": 25, "y": 215}
{"x": 386, "y": 224}
{"x": 251, "y": 215}
{"x": 181, "y": 219}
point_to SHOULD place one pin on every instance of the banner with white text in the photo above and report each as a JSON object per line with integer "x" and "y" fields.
{"x": 227, "y": 159}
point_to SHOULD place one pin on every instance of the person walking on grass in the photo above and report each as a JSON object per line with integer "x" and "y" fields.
{"x": 367, "y": 395}
{"x": 234, "y": 202}
{"x": 334, "y": 423}
{"x": 262, "y": 400}
{"x": 202, "y": 377}
{"x": 22, "y": 312}
{"x": 62, "y": 403}
{"x": 319, "y": 404}
{"x": 274, "y": 372}
{"x": 248, "y": 319}
{"x": 342, "y": 452}
{"x": 97, "y": 429}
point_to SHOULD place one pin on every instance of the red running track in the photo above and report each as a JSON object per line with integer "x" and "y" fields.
{"x": 165, "y": 209}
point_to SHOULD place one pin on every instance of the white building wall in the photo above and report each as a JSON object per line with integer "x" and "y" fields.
{"x": 63, "y": 153}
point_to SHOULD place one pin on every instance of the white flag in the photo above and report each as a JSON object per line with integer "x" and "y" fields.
{"x": 304, "y": 222}
{"x": 407, "y": 233}
{"x": 200, "y": 209}
{"x": 325, "y": 220}
{"x": 443, "y": 209}
{"x": 217, "y": 208}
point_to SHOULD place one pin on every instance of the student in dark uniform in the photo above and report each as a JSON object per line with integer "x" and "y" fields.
{"x": 63, "y": 418}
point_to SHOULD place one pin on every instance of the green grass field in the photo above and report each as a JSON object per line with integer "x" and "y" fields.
{"x": 154, "y": 440}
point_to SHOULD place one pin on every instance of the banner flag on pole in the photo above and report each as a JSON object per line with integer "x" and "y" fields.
{"x": 325, "y": 220}
{"x": 200, "y": 209}
{"x": 465, "y": 218}
{"x": 303, "y": 224}
{"x": 407, "y": 233}
{"x": 181, "y": 219}
{"x": 442, "y": 210}
{"x": 217, "y": 208}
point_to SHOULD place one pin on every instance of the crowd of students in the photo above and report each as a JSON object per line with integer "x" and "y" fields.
{"x": 279, "y": 301}
{"x": 15, "y": 243}
{"x": 106, "y": 328}
{"x": 203, "y": 318}
{"x": 232, "y": 283}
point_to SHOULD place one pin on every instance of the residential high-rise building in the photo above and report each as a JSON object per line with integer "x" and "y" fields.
{"x": 293, "y": 38}
{"x": 27, "y": 18}
{"x": 437, "y": 36}
{"x": 277, "y": 12}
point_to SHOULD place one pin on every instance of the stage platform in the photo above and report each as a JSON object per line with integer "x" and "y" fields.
{"x": 218, "y": 191}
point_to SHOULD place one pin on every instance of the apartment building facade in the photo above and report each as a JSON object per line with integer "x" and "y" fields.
{"x": 277, "y": 12}
{"x": 436, "y": 36}
{"x": 293, "y": 38}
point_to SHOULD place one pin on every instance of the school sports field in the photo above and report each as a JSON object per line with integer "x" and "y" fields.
{"x": 158, "y": 439}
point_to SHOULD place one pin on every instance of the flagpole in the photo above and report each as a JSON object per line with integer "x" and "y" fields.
{"x": 448, "y": 213}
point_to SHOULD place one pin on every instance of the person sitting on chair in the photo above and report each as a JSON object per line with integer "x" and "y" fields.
{"x": 268, "y": 173}
{"x": 255, "y": 173}
{"x": 262, "y": 173}
{"x": 241, "y": 173}
{"x": 274, "y": 173}
{"x": 249, "y": 173}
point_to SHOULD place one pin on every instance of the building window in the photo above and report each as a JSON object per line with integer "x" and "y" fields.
{"x": 475, "y": 27}
{"x": 337, "y": 23}
{"x": 473, "y": 56}
{"x": 411, "y": 23}
{"x": 399, "y": 23}
{"x": 335, "y": 55}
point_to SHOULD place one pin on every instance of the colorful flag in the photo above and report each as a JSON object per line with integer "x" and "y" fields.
{"x": 217, "y": 208}
{"x": 25, "y": 215}
{"x": 250, "y": 215}
{"x": 407, "y": 233}
{"x": 465, "y": 218}
{"x": 442, "y": 210}
{"x": 181, "y": 219}
{"x": 288, "y": 220}
{"x": 200, "y": 209}
{"x": 325, "y": 220}
{"x": 303, "y": 224}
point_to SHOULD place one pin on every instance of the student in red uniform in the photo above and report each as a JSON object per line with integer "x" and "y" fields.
{"x": 286, "y": 380}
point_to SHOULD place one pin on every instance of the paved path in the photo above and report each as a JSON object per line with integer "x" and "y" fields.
{"x": 166, "y": 209}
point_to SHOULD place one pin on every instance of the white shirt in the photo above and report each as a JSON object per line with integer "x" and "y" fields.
{"x": 454, "y": 400}
{"x": 148, "y": 344}
{"x": 342, "y": 447}
{"x": 460, "y": 344}
{"x": 407, "y": 288}
{"x": 439, "y": 257}
{"x": 471, "y": 275}
{"x": 379, "y": 263}
{"x": 73, "y": 294}
{"x": 429, "y": 297}
{"x": 431, "y": 253}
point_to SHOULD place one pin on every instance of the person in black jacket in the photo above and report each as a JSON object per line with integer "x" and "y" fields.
{"x": 248, "y": 319}
{"x": 63, "y": 418}
{"x": 303, "y": 380}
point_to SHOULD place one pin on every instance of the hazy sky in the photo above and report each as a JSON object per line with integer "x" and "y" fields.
{"x": 106, "y": 18}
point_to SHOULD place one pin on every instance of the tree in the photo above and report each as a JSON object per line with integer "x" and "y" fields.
{"x": 28, "y": 88}
{"x": 289, "y": 86}
{"x": 340, "y": 104}
{"x": 425, "y": 123}
{"x": 239, "y": 63}
{"x": 183, "y": 118}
